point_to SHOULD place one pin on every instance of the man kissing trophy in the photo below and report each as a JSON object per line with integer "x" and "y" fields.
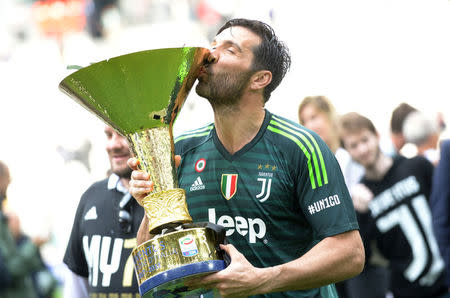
{"x": 140, "y": 95}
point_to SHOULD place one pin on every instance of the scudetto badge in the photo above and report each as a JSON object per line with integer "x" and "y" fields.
{"x": 228, "y": 185}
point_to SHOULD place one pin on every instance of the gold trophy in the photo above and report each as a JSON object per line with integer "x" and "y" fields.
{"x": 140, "y": 95}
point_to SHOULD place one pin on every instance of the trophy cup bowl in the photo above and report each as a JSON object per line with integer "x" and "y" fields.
{"x": 140, "y": 95}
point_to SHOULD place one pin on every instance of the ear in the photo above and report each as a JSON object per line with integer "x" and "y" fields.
{"x": 260, "y": 79}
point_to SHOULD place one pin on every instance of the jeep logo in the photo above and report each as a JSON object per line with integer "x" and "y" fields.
{"x": 254, "y": 227}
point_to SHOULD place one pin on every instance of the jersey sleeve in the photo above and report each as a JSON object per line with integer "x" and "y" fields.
{"x": 322, "y": 193}
{"x": 74, "y": 257}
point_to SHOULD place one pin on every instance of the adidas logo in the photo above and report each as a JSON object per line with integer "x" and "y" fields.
{"x": 197, "y": 185}
{"x": 91, "y": 214}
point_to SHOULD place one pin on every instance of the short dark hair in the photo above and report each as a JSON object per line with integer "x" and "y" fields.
{"x": 353, "y": 122}
{"x": 272, "y": 54}
{"x": 399, "y": 115}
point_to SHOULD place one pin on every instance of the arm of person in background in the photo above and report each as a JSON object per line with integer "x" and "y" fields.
{"x": 361, "y": 197}
{"x": 333, "y": 259}
{"x": 21, "y": 259}
{"x": 5, "y": 276}
{"x": 75, "y": 286}
{"x": 440, "y": 205}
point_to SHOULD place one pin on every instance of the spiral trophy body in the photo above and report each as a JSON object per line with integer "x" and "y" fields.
{"x": 140, "y": 95}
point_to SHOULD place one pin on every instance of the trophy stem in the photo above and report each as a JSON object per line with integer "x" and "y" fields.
{"x": 166, "y": 203}
{"x": 154, "y": 149}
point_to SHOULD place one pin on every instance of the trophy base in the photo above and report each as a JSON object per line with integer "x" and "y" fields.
{"x": 171, "y": 282}
{"x": 164, "y": 263}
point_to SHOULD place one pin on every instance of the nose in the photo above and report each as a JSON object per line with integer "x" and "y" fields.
{"x": 362, "y": 148}
{"x": 213, "y": 57}
{"x": 116, "y": 141}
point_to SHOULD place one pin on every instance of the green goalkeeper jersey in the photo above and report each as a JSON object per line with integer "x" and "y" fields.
{"x": 277, "y": 197}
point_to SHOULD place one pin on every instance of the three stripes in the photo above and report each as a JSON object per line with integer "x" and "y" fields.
{"x": 306, "y": 142}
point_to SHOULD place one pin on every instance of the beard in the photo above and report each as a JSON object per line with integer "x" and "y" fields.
{"x": 371, "y": 164}
{"x": 121, "y": 169}
{"x": 123, "y": 173}
{"x": 224, "y": 89}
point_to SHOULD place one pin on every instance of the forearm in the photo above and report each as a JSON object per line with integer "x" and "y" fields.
{"x": 330, "y": 261}
{"x": 25, "y": 260}
{"x": 143, "y": 233}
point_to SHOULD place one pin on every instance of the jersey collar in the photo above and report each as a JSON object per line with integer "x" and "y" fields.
{"x": 248, "y": 146}
{"x": 115, "y": 183}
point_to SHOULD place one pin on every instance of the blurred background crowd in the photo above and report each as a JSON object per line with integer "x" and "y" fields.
{"x": 366, "y": 56}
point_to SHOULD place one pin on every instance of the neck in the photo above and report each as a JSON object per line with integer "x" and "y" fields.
{"x": 125, "y": 182}
{"x": 430, "y": 143}
{"x": 380, "y": 167}
{"x": 334, "y": 144}
{"x": 236, "y": 126}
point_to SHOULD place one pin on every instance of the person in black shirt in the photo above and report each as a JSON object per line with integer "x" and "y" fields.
{"x": 397, "y": 215}
{"x": 104, "y": 232}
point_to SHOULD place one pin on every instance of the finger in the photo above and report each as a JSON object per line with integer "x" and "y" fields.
{"x": 133, "y": 163}
{"x": 230, "y": 250}
{"x": 202, "y": 286}
{"x": 139, "y": 194}
{"x": 138, "y": 188}
{"x": 141, "y": 185}
{"x": 209, "y": 281}
{"x": 233, "y": 296}
{"x": 177, "y": 160}
{"x": 139, "y": 175}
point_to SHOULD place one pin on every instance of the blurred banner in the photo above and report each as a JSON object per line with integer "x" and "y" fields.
{"x": 54, "y": 18}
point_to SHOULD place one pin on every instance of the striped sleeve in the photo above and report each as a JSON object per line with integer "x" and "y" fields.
{"x": 308, "y": 145}
{"x": 320, "y": 187}
{"x": 190, "y": 139}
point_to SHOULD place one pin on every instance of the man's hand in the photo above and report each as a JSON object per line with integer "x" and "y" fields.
{"x": 14, "y": 224}
{"x": 361, "y": 197}
{"x": 39, "y": 240}
{"x": 239, "y": 279}
{"x": 139, "y": 187}
{"x": 140, "y": 184}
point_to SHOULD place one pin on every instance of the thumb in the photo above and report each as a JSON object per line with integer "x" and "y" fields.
{"x": 133, "y": 163}
{"x": 177, "y": 160}
{"x": 230, "y": 250}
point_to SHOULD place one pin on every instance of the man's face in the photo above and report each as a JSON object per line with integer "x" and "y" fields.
{"x": 4, "y": 183}
{"x": 317, "y": 121}
{"x": 226, "y": 77}
{"x": 118, "y": 153}
{"x": 363, "y": 147}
